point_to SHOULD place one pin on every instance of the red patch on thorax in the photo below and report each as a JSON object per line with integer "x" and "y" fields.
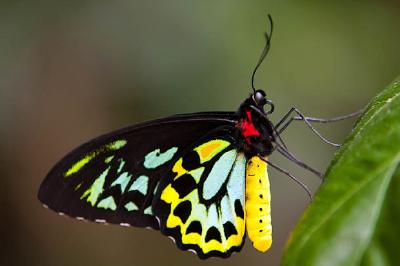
{"x": 247, "y": 127}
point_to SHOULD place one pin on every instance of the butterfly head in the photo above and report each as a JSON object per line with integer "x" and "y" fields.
{"x": 255, "y": 130}
{"x": 260, "y": 100}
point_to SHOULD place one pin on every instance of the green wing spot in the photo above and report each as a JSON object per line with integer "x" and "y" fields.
{"x": 196, "y": 173}
{"x": 78, "y": 186}
{"x": 116, "y": 145}
{"x": 122, "y": 180}
{"x": 121, "y": 165}
{"x": 107, "y": 203}
{"x": 148, "y": 211}
{"x": 140, "y": 184}
{"x": 155, "y": 158}
{"x": 108, "y": 159}
{"x": 130, "y": 206}
{"x": 78, "y": 165}
{"x": 96, "y": 189}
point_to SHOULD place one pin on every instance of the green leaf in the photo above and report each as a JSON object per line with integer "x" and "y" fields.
{"x": 384, "y": 246}
{"x": 355, "y": 216}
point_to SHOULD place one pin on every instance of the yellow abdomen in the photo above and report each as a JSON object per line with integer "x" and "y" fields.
{"x": 258, "y": 204}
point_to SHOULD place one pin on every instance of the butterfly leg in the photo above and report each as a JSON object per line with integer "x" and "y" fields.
{"x": 295, "y": 179}
{"x": 286, "y": 153}
{"x": 282, "y": 149}
{"x": 319, "y": 120}
{"x": 333, "y": 119}
{"x": 286, "y": 121}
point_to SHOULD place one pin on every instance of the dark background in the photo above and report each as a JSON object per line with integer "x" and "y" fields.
{"x": 72, "y": 70}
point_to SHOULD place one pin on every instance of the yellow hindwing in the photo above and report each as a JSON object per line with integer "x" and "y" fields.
{"x": 258, "y": 204}
{"x": 208, "y": 217}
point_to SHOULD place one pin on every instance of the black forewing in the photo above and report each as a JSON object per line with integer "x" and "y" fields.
{"x": 96, "y": 165}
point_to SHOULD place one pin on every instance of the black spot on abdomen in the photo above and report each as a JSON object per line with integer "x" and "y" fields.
{"x": 239, "y": 209}
{"x": 183, "y": 210}
{"x": 213, "y": 233}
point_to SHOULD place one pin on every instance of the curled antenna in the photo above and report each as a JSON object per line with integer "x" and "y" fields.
{"x": 268, "y": 36}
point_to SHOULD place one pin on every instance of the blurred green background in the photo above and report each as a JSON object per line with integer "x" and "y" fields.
{"x": 72, "y": 70}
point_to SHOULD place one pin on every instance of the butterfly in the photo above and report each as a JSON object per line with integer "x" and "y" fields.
{"x": 201, "y": 179}
{"x": 197, "y": 178}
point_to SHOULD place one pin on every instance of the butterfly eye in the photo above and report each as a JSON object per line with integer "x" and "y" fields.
{"x": 259, "y": 98}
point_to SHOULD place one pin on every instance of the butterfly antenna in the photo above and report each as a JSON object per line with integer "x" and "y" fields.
{"x": 268, "y": 36}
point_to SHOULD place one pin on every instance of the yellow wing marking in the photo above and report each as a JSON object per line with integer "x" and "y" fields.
{"x": 258, "y": 204}
{"x": 115, "y": 145}
{"x": 178, "y": 169}
{"x": 209, "y": 149}
{"x": 170, "y": 196}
